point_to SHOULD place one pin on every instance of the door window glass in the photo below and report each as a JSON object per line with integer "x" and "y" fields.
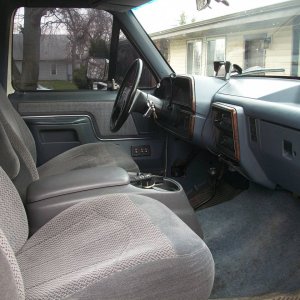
{"x": 52, "y": 48}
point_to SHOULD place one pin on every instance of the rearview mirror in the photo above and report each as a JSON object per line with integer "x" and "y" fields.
{"x": 97, "y": 69}
{"x": 201, "y": 4}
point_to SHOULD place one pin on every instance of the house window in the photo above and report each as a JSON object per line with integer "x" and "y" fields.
{"x": 53, "y": 69}
{"x": 194, "y": 52}
{"x": 255, "y": 53}
{"x": 215, "y": 52}
{"x": 255, "y": 50}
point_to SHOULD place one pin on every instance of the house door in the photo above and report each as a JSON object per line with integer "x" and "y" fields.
{"x": 254, "y": 53}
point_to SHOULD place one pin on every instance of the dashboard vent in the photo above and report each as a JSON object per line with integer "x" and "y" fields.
{"x": 253, "y": 129}
{"x": 226, "y": 130}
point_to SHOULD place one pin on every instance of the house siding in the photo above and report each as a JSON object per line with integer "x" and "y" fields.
{"x": 265, "y": 36}
{"x": 48, "y": 56}
{"x": 45, "y": 71}
{"x": 64, "y": 70}
{"x": 235, "y": 48}
{"x": 279, "y": 54}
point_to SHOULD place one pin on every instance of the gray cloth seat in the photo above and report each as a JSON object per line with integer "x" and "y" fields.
{"x": 88, "y": 155}
{"x": 116, "y": 247}
{"x": 84, "y": 156}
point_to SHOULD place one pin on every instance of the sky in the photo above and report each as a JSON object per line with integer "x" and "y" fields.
{"x": 159, "y": 15}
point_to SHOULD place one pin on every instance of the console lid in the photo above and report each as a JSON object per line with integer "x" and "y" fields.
{"x": 76, "y": 181}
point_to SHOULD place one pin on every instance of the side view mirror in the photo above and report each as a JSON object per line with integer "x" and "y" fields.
{"x": 97, "y": 69}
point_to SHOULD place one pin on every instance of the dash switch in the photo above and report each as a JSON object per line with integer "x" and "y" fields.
{"x": 143, "y": 150}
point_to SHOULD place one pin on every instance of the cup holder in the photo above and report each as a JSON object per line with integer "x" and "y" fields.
{"x": 158, "y": 183}
{"x": 167, "y": 184}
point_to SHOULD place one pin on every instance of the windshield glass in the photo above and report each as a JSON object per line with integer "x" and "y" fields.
{"x": 260, "y": 36}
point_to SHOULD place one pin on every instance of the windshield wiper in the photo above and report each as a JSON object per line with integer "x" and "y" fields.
{"x": 257, "y": 70}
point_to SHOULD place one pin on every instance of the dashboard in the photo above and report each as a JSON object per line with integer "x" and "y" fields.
{"x": 251, "y": 123}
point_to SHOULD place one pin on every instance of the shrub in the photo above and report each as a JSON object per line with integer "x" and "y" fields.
{"x": 80, "y": 79}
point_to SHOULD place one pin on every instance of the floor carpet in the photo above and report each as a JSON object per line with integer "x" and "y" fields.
{"x": 255, "y": 242}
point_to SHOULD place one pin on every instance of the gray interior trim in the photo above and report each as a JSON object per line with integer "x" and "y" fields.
{"x": 76, "y": 181}
{"x": 41, "y": 212}
{"x": 30, "y": 117}
{"x": 100, "y": 110}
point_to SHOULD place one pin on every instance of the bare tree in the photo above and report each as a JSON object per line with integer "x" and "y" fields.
{"x": 31, "y": 47}
{"x": 84, "y": 27}
{"x": 182, "y": 19}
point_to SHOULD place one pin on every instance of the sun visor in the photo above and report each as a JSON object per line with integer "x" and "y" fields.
{"x": 118, "y": 5}
{"x": 112, "y": 5}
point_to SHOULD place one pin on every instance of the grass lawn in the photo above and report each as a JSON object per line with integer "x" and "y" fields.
{"x": 58, "y": 84}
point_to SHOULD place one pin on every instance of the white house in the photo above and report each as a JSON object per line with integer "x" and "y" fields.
{"x": 267, "y": 37}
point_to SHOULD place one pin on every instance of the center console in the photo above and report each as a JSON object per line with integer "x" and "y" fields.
{"x": 49, "y": 196}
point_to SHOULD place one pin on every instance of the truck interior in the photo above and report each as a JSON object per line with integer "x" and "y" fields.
{"x": 149, "y": 149}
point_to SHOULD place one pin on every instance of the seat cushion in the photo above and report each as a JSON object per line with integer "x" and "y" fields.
{"x": 88, "y": 155}
{"x": 117, "y": 246}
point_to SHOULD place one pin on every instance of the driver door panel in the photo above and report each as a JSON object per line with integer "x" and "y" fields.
{"x": 60, "y": 121}
{"x": 55, "y": 134}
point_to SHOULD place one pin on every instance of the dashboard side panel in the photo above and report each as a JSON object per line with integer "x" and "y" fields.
{"x": 269, "y": 128}
{"x": 280, "y": 113}
{"x": 248, "y": 164}
{"x": 280, "y": 154}
{"x": 248, "y": 159}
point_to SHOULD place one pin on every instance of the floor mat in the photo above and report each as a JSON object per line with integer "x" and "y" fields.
{"x": 205, "y": 196}
{"x": 255, "y": 242}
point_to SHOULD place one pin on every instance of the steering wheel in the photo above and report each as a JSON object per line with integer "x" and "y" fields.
{"x": 127, "y": 91}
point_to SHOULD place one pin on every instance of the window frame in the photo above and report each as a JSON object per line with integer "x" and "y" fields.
{"x": 213, "y": 38}
{"x": 53, "y": 69}
{"x": 194, "y": 41}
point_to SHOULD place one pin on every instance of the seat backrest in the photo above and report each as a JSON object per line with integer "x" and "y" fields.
{"x": 9, "y": 160}
{"x": 22, "y": 142}
{"x": 9, "y": 116}
{"x": 13, "y": 235}
{"x": 13, "y": 218}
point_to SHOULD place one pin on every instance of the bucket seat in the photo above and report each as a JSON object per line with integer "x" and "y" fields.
{"x": 84, "y": 156}
{"x": 119, "y": 246}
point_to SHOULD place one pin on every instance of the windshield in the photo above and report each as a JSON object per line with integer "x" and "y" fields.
{"x": 262, "y": 37}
